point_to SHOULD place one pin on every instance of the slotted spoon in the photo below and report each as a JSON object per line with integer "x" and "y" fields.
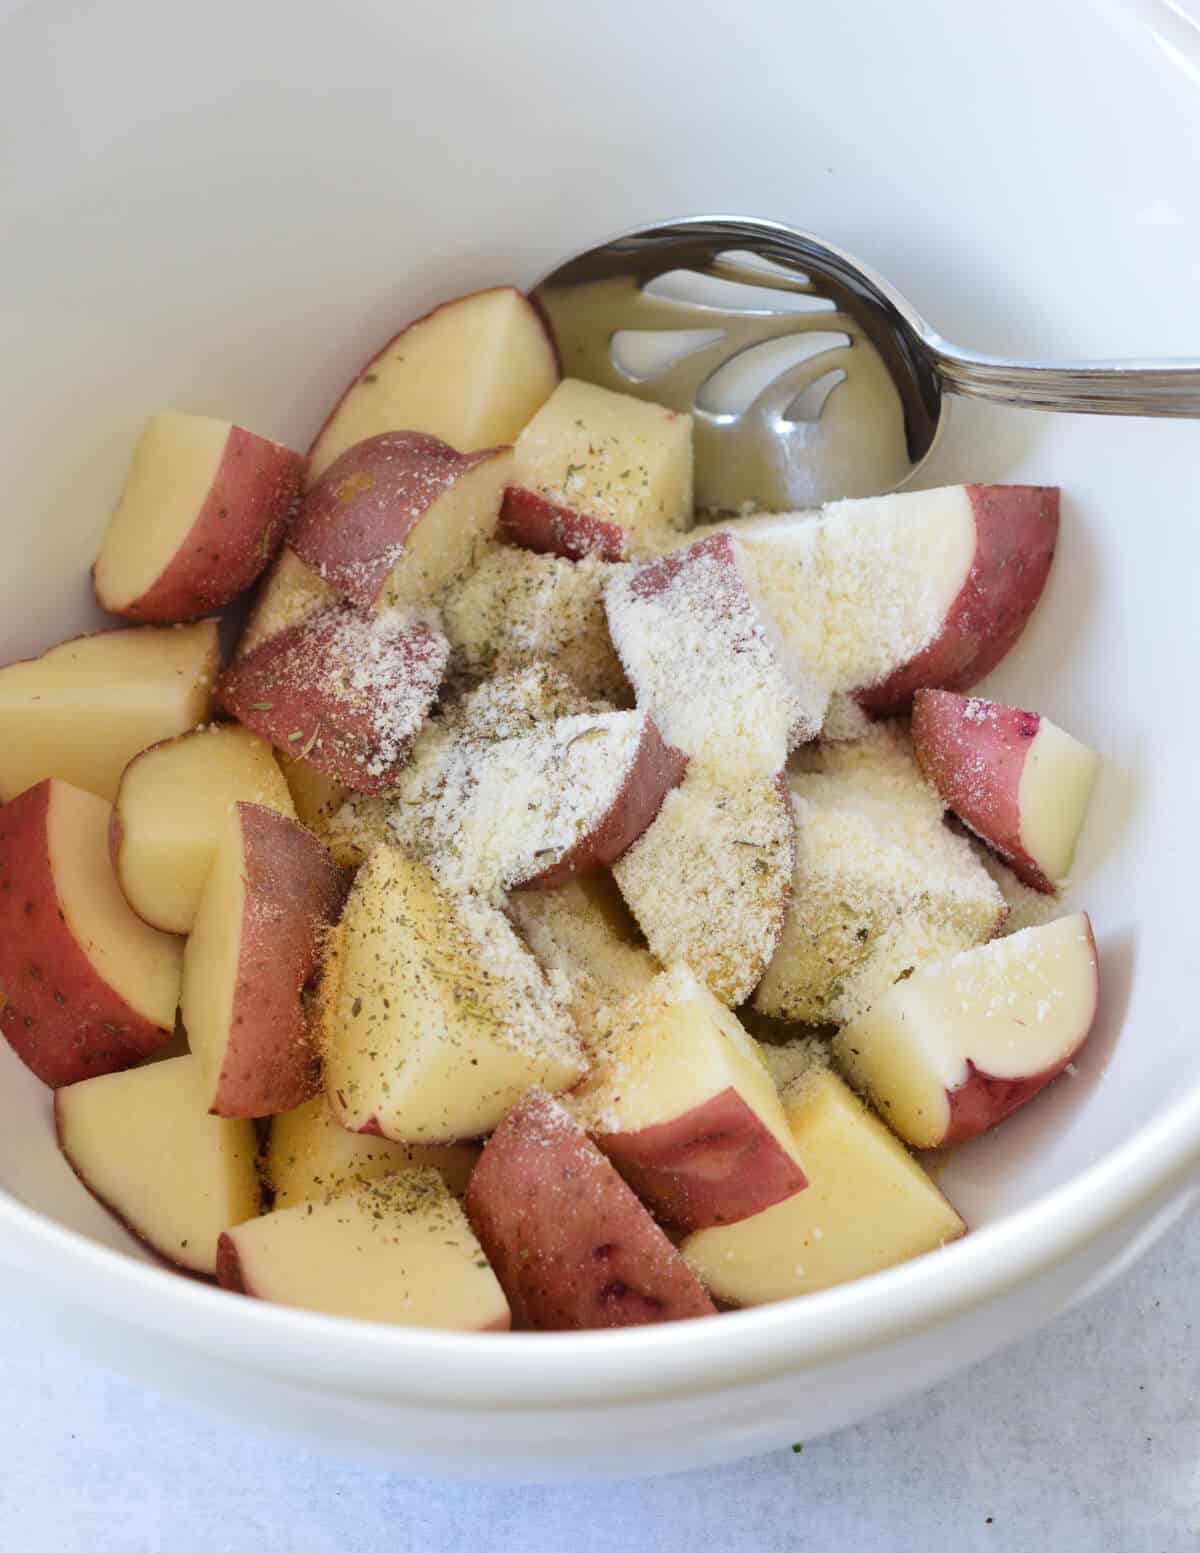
{"x": 809, "y": 377}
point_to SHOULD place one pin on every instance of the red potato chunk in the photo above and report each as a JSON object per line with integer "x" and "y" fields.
{"x": 397, "y": 1249}
{"x": 85, "y": 708}
{"x": 471, "y": 372}
{"x": 86, "y": 987}
{"x": 435, "y": 1018}
{"x": 202, "y": 513}
{"x": 868, "y": 1205}
{"x": 539, "y": 808}
{"x": 707, "y": 663}
{"x": 346, "y": 693}
{"x": 964, "y": 1041}
{"x": 885, "y": 595}
{"x": 144, "y": 1145}
{"x": 168, "y": 813}
{"x": 570, "y": 1243}
{"x": 681, "y": 1102}
{"x": 600, "y": 473}
{"x": 310, "y": 1156}
{"x": 255, "y": 946}
{"x": 709, "y": 881}
{"x": 399, "y": 517}
{"x": 1015, "y": 778}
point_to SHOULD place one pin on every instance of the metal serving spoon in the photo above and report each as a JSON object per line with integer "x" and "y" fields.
{"x": 808, "y": 376}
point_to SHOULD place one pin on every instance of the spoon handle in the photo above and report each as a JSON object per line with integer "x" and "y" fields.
{"x": 1133, "y": 387}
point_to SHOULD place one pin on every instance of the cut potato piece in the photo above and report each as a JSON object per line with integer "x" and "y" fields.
{"x": 881, "y": 884}
{"x": 169, "y": 811}
{"x": 316, "y": 797}
{"x": 398, "y": 1249}
{"x": 144, "y": 1144}
{"x": 310, "y": 1156}
{"x": 540, "y": 807}
{"x": 709, "y": 881}
{"x": 1015, "y": 778}
{"x": 288, "y": 594}
{"x": 202, "y": 512}
{"x": 83, "y": 710}
{"x": 86, "y": 987}
{"x": 472, "y": 372}
{"x": 886, "y": 594}
{"x": 680, "y": 1101}
{"x": 399, "y": 517}
{"x": 269, "y": 898}
{"x": 707, "y": 663}
{"x": 966, "y": 1040}
{"x": 600, "y": 473}
{"x": 868, "y": 1206}
{"x": 346, "y": 693}
{"x": 435, "y": 1016}
{"x": 583, "y": 937}
{"x": 570, "y": 1243}
{"x": 518, "y": 608}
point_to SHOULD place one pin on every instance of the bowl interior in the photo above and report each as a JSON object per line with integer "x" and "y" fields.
{"x": 222, "y": 209}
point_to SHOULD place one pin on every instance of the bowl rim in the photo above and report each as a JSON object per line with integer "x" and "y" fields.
{"x": 558, "y": 1370}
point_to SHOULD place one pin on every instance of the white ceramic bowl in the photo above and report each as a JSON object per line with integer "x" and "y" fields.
{"x": 222, "y": 207}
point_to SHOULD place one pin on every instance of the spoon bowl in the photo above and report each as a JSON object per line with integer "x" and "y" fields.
{"x": 809, "y": 377}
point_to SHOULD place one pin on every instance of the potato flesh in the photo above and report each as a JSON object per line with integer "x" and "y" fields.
{"x": 140, "y": 964}
{"x": 1053, "y": 795}
{"x": 615, "y": 457}
{"x": 472, "y": 373}
{"x": 213, "y": 957}
{"x": 669, "y": 1052}
{"x": 144, "y": 1144}
{"x": 173, "y": 469}
{"x": 447, "y": 540}
{"x": 867, "y": 1206}
{"x": 83, "y": 710}
{"x": 288, "y": 594}
{"x": 434, "y": 1024}
{"x": 864, "y": 586}
{"x": 171, "y": 805}
{"x": 1013, "y": 1008}
{"x": 581, "y": 935}
{"x": 398, "y": 1249}
{"x": 309, "y": 1156}
{"x": 710, "y": 878}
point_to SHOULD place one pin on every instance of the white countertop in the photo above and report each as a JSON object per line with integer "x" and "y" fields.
{"x": 1085, "y": 1439}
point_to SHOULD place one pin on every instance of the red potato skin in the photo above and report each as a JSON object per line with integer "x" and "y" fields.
{"x": 536, "y": 523}
{"x": 280, "y": 688}
{"x": 1016, "y": 534}
{"x": 974, "y": 752}
{"x": 229, "y": 1266}
{"x": 655, "y": 770}
{"x": 570, "y": 1243}
{"x": 57, "y": 1013}
{"x": 715, "y": 1164}
{"x": 354, "y": 520}
{"x": 235, "y": 535}
{"x": 293, "y": 893}
{"x": 314, "y": 446}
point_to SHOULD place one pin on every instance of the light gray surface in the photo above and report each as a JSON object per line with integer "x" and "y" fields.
{"x": 1084, "y": 1438}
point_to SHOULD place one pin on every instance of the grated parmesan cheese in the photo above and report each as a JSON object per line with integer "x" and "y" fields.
{"x": 709, "y": 880}
{"x": 881, "y": 884}
{"x": 707, "y": 663}
{"x": 517, "y": 607}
